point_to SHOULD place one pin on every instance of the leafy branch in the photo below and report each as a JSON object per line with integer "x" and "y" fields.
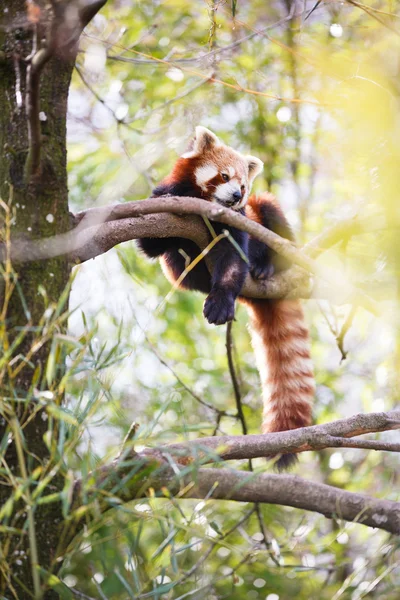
{"x": 176, "y": 470}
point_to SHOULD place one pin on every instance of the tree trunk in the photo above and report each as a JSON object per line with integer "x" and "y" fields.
{"x": 38, "y": 205}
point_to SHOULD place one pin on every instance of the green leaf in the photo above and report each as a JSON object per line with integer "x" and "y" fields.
{"x": 63, "y": 414}
{"x": 56, "y": 584}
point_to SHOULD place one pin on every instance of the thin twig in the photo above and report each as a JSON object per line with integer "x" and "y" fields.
{"x": 345, "y": 328}
{"x": 371, "y": 14}
{"x": 242, "y": 419}
{"x": 185, "y": 93}
{"x": 215, "y": 543}
{"x": 220, "y": 413}
{"x": 97, "y": 96}
{"x": 340, "y": 335}
{"x": 234, "y": 379}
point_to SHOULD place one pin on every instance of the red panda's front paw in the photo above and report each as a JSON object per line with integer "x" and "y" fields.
{"x": 219, "y": 307}
{"x": 262, "y": 271}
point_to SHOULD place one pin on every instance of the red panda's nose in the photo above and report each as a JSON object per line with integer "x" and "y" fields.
{"x": 237, "y": 195}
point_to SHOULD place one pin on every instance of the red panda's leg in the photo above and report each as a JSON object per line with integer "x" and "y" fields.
{"x": 155, "y": 247}
{"x": 229, "y": 273}
{"x": 176, "y": 261}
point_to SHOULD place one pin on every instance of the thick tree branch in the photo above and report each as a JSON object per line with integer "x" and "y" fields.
{"x": 88, "y": 9}
{"x": 189, "y": 206}
{"x": 288, "y": 490}
{"x": 133, "y": 475}
{"x": 81, "y": 244}
{"x": 214, "y": 212}
{"x": 316, "y": 437}
{"x": 99, "y": 229}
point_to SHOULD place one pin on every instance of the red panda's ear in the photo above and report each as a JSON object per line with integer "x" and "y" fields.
{"x": 204, "y": 140}
{"x": 255, "y": 166}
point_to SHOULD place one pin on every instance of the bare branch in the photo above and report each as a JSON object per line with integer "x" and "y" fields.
{"x": 289, "y": 490}
{"x": 134, "y": 475}
{"x": 88, "y": 9}
{"x": 316, "y": 437}
{"x": 211, "y": 55}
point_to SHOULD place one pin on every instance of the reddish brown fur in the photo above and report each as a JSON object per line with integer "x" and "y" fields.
{"x": 255, "y": 205}
{"x": 184, "y": 168}
{"x": 280, "y": 340}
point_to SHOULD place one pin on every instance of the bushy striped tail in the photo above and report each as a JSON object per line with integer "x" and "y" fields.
{"x": 281, "y": 345}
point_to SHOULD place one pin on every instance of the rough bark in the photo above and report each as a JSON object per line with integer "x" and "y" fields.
{"x": 316, "y": 437}
{"x": 33, "y": 182}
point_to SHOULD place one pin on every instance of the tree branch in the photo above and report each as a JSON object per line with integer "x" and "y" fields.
{"x": 88, "y": 9}
{"x": 284, "y": 247}
{"x": 133, "y": 475}
{"x": 316, "y": 437}
{"x": 81, "y": 244}
{"x": 289, "y": 490}
{"x": 99, "y": 229}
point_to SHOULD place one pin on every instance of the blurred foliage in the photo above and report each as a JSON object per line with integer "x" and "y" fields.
{"x": 315, "y": 96}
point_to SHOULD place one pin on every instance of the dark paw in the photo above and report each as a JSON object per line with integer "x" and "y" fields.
{"x": 219, "y": 307}
{"x": 262, "y": 271}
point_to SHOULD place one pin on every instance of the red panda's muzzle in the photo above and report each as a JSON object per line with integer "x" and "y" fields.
{"x": 229, "y": 195}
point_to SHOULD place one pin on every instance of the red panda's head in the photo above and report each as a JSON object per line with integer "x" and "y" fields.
{"x": 222, "y": 174}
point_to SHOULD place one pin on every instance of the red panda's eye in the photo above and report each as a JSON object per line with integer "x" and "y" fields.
{"x": 225, "y": 177}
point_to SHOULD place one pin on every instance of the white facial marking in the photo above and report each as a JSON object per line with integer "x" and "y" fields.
{"x": 225, "y": 190}
{"x": 204, "y": 175}
{"x": 231, "y": 171}
{"x": 224, "y": 193}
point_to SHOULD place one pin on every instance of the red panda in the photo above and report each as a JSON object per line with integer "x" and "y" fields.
{"x": 217, "y": 173}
